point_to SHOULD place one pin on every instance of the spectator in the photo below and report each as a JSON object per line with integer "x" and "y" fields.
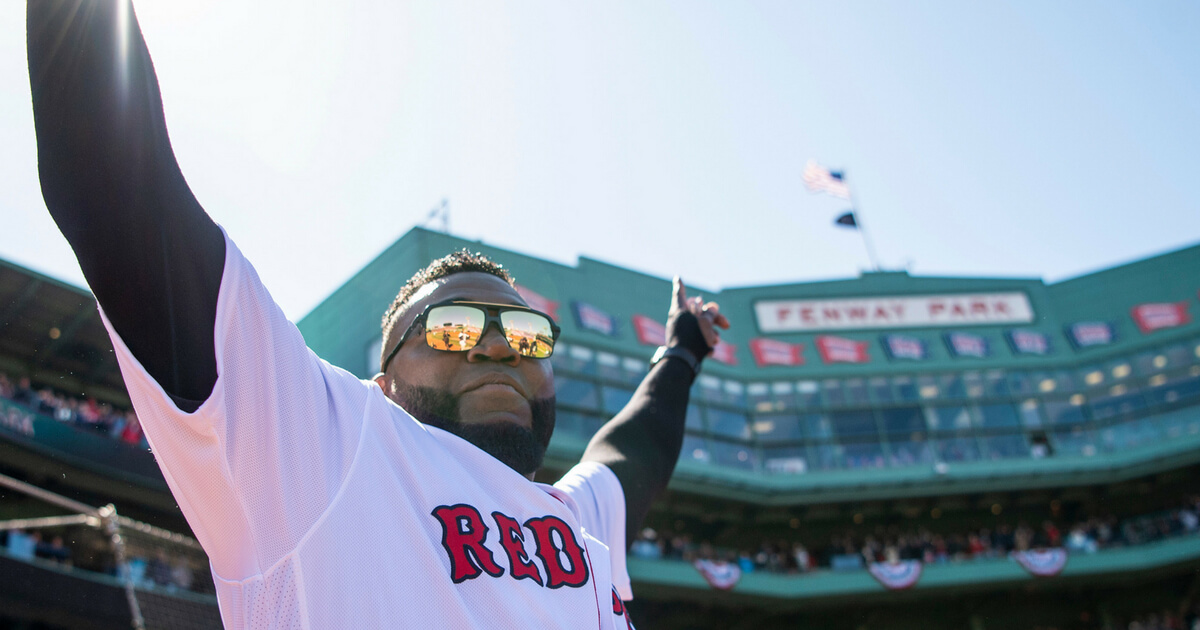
{"x": 158, "y": 570}
{"x": 181, "y": 573}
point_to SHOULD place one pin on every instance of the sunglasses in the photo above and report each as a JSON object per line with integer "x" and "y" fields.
{"x": 457, "y": 326}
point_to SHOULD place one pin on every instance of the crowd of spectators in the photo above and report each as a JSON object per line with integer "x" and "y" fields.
{"x": 85, "y": 413}
{"x": 852, "y": 551}
{"x": 72, "y": 547}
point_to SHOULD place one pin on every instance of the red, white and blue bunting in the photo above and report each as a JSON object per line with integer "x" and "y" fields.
{"x": 841, "y": 350}
{"x": 719, "y": 575}
{"x": 1042, "y": 562}
{"x": 775, "y": 352}
{"x": 896, "y": 576}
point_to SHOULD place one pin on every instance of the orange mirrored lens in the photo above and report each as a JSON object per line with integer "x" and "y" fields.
{"x": 454, "y": 328}
{"x": 528, "y": 333}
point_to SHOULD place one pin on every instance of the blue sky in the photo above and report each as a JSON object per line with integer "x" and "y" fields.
{"x": 1007, "y": 139}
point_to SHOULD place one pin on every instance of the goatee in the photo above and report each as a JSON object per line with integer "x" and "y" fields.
{"x": 520, "y": 448}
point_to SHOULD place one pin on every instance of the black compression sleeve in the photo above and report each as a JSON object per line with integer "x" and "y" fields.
{"x": 641, "y": 443}
{"x": 150, "y": 254}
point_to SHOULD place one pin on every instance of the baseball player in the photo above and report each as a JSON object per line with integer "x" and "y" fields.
{"x": 325, "y": 501}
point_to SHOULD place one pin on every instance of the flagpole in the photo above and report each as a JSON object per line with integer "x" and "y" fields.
{"x": 863, "y": 230}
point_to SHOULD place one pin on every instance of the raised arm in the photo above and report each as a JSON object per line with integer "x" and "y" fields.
{"x": 641, "y": 443}
{"x": 150, "y": 254}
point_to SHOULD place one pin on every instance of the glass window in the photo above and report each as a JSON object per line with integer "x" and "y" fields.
{"x": 881, "y": 390}
{"x": 947, "y": 418}
{"x": 952, "y": 386}
{"x": 576, "y": 393}
{"x": 1129, "y": 434}
{"x": 1066, "y": 381}
{"x": 856, "y": 391}
{"x": 903, "y": 421}
{"x": 832, "y": 389}
{"x": 927, "y": 387}
{"x": 1171, "y": 390}
{"x": 735, "y": 393}
{"x": 996, "y": 384}
{"x": 957, "y": 449}
{"x": 732, "y": 455}
{"x": 695, "y": 419}
{"x": 615, "y": 398}
{"x": 785, "y": 460}
{"x": 608, "y": 365}
{"x": 828, "y": 456}
{"x": 575, "y": 359}
{"x": 779, "y": 427}
{"x": 998, "y": 416}
{"x": 906, "y": 390}
{"x": 808, "y": 394}
{"x": 1018, "y": 383}
{"x": 1031, "y": 417}
{"x": 568, "y": 423}
{"x": 728, "y": 423}
{"x": 1144, "y": 363}
{"x": 708, "y": 387}
{"x": 1063, "y": 412}
{"x": 1121, "y": 400}
{"x": 1074, "y": 440}
{"x": 854, "y": 423}
{"x": 1181, "y": 422}
{"x": 973, "y": 384}
{"x": 695, "y": 449}
{"x": 862, "y": 455}
{"x": 816, "y": 425}
{"x": 910, "y": 453}
{"x": 1179, "y": 355}
{"x": 634, "y": 370}
{"x": 1005, "y": 446}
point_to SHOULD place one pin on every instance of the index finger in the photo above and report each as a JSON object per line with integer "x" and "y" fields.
{"x": 679, "y": 299}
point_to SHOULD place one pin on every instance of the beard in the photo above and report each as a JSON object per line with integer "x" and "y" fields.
{"x": 517, "y": 447}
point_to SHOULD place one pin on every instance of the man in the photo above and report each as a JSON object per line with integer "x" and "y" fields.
{"x": 284, "y": 464}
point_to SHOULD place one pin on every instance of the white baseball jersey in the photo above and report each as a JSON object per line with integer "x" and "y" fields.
{"x": 322, "y": 504}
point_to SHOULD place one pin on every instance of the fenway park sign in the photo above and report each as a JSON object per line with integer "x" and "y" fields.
{"x": 961, "y": 309}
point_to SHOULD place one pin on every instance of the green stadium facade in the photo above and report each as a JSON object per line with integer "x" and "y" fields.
{"x": 881, "y": 401}
{"x": 855, "y": 398}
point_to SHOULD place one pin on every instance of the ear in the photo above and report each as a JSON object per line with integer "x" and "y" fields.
{"x": 381, "y": 380}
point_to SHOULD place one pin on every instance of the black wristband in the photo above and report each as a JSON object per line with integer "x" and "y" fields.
{"x": 683, "y": 330}
{"x": 676, "y": 352}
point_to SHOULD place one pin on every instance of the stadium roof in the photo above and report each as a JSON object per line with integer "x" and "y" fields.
{"x": 51, "y": 331}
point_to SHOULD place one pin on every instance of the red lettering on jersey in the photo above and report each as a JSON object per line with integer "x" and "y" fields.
{"x": 565, "y": 564}
{"x": 619, "y": 609}
{"x": 513, "y": 541}
{"x": 463, "y": 533}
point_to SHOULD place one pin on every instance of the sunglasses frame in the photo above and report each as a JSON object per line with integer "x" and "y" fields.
{"x": 488, "y": 309}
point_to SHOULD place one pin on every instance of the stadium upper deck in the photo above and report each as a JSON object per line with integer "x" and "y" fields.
{"x": 947, "y": 384}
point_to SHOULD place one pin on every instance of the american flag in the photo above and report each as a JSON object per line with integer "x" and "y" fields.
{"x": 818, "y": 179}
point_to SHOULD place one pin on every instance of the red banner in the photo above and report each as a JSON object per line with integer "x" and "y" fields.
{"x": 650, "y": 332}
{"x": 538, "y": 302}
{"x": 842, "y": 350}
{"x": 775, "y": 352}
{"x": 1156, "y": 315}
{"x": 725, "y": 353}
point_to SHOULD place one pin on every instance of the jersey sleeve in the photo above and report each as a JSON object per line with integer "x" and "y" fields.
{"x": 601, "y": 502}
{"x": 258, "y": 463}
